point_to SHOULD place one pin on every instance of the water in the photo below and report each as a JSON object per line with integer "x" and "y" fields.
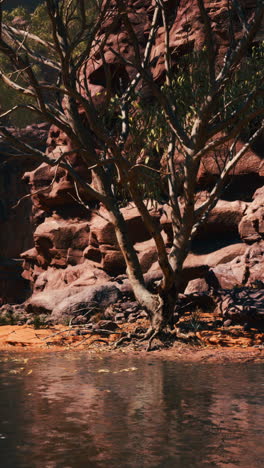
{"x": 72, "y": 411}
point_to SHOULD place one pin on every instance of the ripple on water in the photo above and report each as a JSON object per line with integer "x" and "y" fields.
{"x": 74, "y": 411}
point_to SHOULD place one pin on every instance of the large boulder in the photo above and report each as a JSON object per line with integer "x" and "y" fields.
{"x": 244, "y": 270}
{"x": 44, "y": 302}
{"x": 217, "y": 257}
{"x": 112, "y": 260}
{"x": 96, "y": 298}
{"x": 55, "y": 285}
{"x": 251, "y": 226}
{"x": 103, "y": 233}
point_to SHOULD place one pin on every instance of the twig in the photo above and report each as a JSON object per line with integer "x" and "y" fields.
{"x": 87, "y": 338}
{"x": 55, "y": 334}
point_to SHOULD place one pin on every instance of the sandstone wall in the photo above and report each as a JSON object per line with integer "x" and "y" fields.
{"x": 75, "y": 248}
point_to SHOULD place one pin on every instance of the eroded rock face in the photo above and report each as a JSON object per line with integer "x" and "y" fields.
{"x": 75, "y": 249}
{"x": 186, "y": 34}
{"x": 70, "y": 250}
{"x": 76, "y": 254}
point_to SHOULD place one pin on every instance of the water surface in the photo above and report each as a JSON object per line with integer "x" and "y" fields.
{"x": 72, "y": 411}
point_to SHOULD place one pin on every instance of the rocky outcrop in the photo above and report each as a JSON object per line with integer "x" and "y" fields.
{"x": 186, "y": 34}
{"x": 73, "y": 252}
{"x": 72, "y": 255}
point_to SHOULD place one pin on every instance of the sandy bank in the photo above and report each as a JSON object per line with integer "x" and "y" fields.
{"x": 234, "y": 348}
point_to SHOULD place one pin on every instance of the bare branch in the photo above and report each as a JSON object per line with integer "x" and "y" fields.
{"x": 27, "y": 35}
{"x": 35, "y": 56}
{"x": 14, "y": 109}
{"x": 15, "y": 86}
{"x": 91, "y": 39}
{"x": 240, "y": 114}
{"x": 241, "y": 15}
{"x": 233, "y": 57}
{"x": 217, "y": 142}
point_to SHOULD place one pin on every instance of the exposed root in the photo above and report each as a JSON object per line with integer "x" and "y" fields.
{"x": 130, "y": 336}
{"x": 148, "y": 334}
{"x": 153, "y": 333}
{"x": 156, "y": 332}
{"x": 127, "y": 337}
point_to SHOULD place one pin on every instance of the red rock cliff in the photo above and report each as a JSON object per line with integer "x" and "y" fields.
{"x": 75, "y": 248}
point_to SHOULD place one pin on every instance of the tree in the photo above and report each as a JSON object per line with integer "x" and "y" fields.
{"x": 203, "y": 101}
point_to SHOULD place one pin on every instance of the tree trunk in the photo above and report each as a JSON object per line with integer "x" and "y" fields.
{"x": 162, "y": 316}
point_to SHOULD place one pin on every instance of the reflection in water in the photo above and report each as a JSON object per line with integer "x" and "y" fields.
{"x": 163, "y": 414}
